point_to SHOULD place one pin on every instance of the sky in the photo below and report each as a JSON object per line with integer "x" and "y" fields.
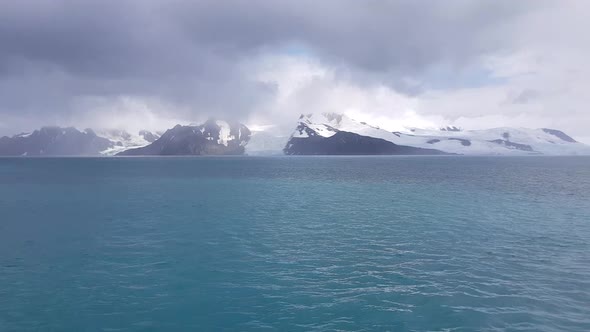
{"x": 150, "y": 64}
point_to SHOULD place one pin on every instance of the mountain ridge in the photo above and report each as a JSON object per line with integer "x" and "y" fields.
{"x": 449, "y": 139}
{"x": 315, "y": 134}
{"x": 54, "y": 141}
{"x": 214, "y": 137}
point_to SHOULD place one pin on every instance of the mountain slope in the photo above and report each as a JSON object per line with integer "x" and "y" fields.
{"x": 497, "y": 141}
{"x": 336, "y": 134}
{"x": 214, "y": 137}
{"x": 506, "y": 141}
{"x": 347, "y": 143}
{"x": 54, "y": 141}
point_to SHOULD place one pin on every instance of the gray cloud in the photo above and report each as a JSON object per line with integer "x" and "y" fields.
{"x": 190, "y": 54}
{"x": 525, "y": 96}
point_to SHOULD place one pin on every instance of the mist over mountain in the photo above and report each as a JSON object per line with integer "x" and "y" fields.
{"x": 312, "y": 134}
{"x": 54, "y": 141}
{"x": 149, "y": 65}
{"x": 213, "y": 137}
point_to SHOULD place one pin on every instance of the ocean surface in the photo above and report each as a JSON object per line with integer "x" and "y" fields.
{"x": 295, "y": 244}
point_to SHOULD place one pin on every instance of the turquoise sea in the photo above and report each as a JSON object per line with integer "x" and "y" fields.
{"x": 295, "y": 244}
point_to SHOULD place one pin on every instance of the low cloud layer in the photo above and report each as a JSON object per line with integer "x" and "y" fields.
{"x": 150, "y": 64}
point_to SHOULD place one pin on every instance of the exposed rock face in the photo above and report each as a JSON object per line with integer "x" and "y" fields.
{"x": 346, "y": 143}
{"x": 559, "y": 134}
{"x": 214, "y": 137}
{"x": 54, "y": 141}
{"x": 450, "y": 128}
{"x": 464, "y": 142}
{"x": 512, "y": 145}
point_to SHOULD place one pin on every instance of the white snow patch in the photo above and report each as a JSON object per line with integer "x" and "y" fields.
{"x": 224, "y": 133}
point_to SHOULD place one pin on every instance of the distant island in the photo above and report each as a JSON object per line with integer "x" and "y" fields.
{"x": 313, "y": 134}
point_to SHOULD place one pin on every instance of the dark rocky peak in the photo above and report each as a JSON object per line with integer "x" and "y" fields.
{"x": 304, "y": 128}
{"x": 450, "y": 128}
{"x": 213, "y": 137}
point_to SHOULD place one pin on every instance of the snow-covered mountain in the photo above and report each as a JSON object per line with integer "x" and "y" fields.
{"x": 214, "y": 137}
{"x": 314, "y": 134}
{"x": 326, "y": 132}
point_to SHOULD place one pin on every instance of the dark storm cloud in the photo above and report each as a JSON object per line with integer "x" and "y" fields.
{"x": 189, "y": 52}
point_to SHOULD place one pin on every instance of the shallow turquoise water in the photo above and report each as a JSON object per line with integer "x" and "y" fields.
{"x": 295, "y": 244}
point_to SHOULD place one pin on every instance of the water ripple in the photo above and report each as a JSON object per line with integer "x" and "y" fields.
{"x": 309, "y": 244}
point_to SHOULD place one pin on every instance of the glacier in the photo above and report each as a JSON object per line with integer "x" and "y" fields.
{"x": 450, "y": 139}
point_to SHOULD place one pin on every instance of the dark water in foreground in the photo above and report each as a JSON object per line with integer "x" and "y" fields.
{"x": 295, "y": 244}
